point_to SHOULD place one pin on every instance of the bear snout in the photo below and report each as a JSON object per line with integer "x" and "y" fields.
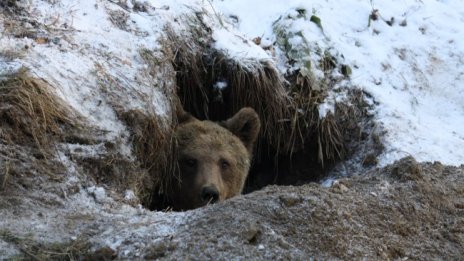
{"x": 210, "y": 194}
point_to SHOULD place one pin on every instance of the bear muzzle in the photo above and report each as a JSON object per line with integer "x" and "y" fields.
{"x": 209, "y": 194}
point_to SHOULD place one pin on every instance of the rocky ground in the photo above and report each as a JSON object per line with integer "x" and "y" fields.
{"x": 404, "y": 211}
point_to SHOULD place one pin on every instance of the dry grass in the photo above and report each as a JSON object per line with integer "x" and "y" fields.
{"x": 31, "y": 112}
{"x": 289, "y": 114}
{"x": 153, "y": 147}
{"x": 330, "y": 140}
{"x": 10, "y": 55}
{"x": 151, "y": 135}
{"x": 305, "y": 97}
{"x": 16, "y": 20}
{"x": 33, "y": 120}
{"x": 119, "y": 18}
{"x": 256, "y": 84}
{"x": 32, "y": 250}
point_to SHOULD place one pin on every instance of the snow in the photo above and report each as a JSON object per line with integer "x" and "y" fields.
{"x": 99, "y": 194}
{"x": 221, "y": 85}
{"x": 237, "y": 47}
{"x": 129, "y": 195}
{"x": 8, "y": 67}
{"x": 326, "y": 107}
{"x": 414, "y": 71}
{"x": 327, "y": 183}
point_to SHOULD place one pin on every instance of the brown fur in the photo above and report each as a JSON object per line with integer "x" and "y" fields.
{"x": 213, "y": 157}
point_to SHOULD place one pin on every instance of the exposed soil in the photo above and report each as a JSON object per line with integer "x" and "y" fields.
{"x": 404, "y": 211}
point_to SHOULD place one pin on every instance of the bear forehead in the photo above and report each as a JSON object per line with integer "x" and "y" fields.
{"x": 206, "y": 135}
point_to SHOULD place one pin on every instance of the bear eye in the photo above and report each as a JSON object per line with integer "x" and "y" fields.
{"x": 191, "y": 162}
{"x": 225, "y": 164}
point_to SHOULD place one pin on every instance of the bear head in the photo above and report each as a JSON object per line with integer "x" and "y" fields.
{"x": 213, "y": 158}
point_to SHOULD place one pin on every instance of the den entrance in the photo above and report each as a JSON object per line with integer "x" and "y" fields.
{"x": 295, "y": 145}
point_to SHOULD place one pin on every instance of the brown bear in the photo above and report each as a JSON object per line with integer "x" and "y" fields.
{"x": 214, "y": 158}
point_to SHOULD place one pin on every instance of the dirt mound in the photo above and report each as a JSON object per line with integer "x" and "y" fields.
{"x": 403, "y": 211}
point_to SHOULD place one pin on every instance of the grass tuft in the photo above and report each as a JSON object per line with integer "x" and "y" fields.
{"x": 30, "y": 111}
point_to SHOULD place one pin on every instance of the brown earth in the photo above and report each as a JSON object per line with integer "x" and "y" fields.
{"x": 403, "y": 211}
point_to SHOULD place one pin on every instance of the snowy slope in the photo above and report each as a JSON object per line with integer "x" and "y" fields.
{"x": 92, "y": 53}
{"x": 414, "y": 69}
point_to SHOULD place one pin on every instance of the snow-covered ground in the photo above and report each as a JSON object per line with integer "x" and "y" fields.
{"x": 413, "y": 68}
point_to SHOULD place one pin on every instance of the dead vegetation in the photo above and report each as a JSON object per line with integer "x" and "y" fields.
{"x": 153, "y": 146}
{"x": 153, "y": 169}
{"x": 288, "y": 108}
{"x": 17, "y": 22}
{"x": 307, "y": 126}
{"x": 33, "y": 120}
{"x": 119, "y": 18}
{"x": 31, "y": 113}
{"x": 33, "y": 250}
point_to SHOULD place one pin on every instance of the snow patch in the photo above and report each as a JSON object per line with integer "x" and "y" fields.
{"x": 327, "y": 107}
{"x": 8, "y": 67}
{"x": 327, "y": 183}
{"x": 220, "y": 85}
{"x": 129, "y": 195}
{"x": 412, "y": 68}
{"x": 237, "y": 47}
{"x": 99, "y": 194}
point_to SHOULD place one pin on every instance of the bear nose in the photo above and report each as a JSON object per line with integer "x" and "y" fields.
{"x": 210, "y": 194}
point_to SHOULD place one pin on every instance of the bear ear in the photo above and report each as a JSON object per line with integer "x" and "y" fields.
{"x": 245, "y": 124}
{"x": 182, "y": 116}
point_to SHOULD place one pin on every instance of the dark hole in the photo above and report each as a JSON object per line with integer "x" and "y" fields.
{"x": 300, "y": 168}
